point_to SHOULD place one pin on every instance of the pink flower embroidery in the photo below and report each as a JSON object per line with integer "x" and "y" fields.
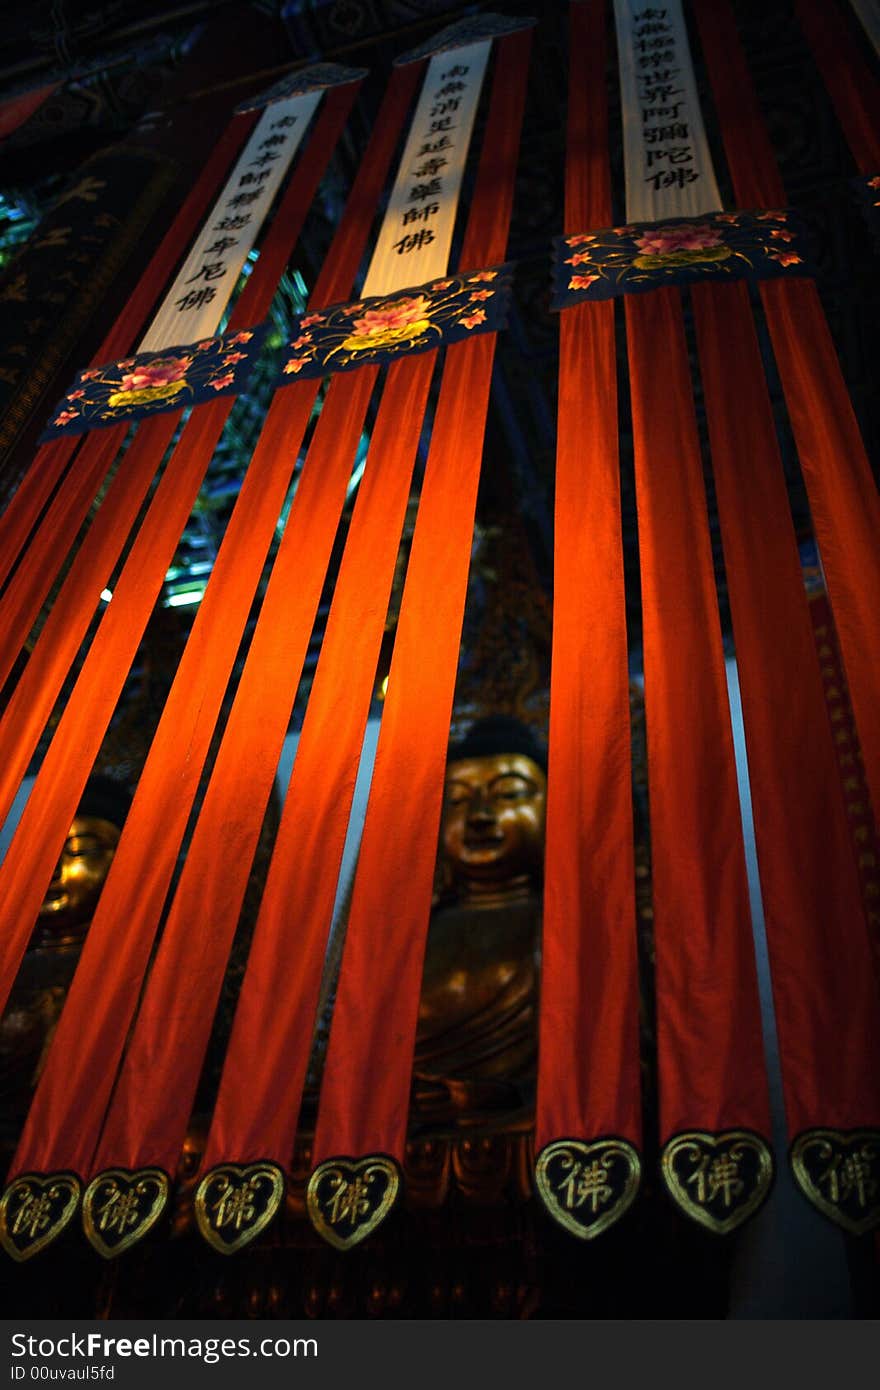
{"x": 580, "y": 258}
{"x": 727, "y": 217}
{"x": 400, "y": 314}
{"x": 75, "y": 395}
{"x": 234, "y": 357}
{"x": 875, "y": 182}
{"x": 90, "y": 376}
{"x": 310, "y": 319}
{"x": 686, "y": 237}
{"x": 481, "y": 294}
{"x": 770, "y": 216}
{"x": 221, "y": 382}
{"x": 66, "y": 415}
{"x": 471, "y": 320}
{"x": 295, "y": 364}
{"x": 241, "y": 338}
{"x": 582, "y": 282}
{"x": 208, "y": 343}
{"x": 349, "y": 310}
{"x": 484, "y": 275}
{"x": 787, "y": 258}
{"x": 302, "y": 341}
{"x": 129, "y": 362}
{"x": 580, "y": 240}
{"x": 161, "y": 372}
{"x": 442, "y": 284}
{"x": 779, "y": 234}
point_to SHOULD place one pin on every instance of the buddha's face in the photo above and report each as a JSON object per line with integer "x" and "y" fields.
{"x": 79, "y": 875}
{"x": 493, "y": 818}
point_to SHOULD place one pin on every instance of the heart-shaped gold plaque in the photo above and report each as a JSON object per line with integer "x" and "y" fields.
{"x": 586, "y": 1187}
{"x": 233, "y": 1204}
{"x": 719, "y": 1180}
{"x": 839, "y": 1171}
{"x": 348, "y": 1198}
{"x": 34, "y": 1210}
{"x": 121, "y": 1205}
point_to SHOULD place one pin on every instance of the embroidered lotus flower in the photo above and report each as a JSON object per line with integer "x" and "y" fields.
{"x": 162, "y": 372}
{"x": 661, "y": 241}
{"x": 582, "y": 282}
{"x": 391, "y": 317}
{"x": 471, "y": 320}
{"x": 220, "y": 383}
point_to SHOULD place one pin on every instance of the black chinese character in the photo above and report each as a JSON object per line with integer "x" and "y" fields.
{"x": 430, "y": 167}
{"x": 242, "y": 199}
{"x": 264, "y": 159}
{"x": 656, "y": 134}
{"x": 420, "y": 191}
{"x": 284, "y": 123}
{"x": 672, "y": 178}
{"x": 420, "y": 214}
{"x": 444, "y": 123}
{"x": 255, "y": 178}
{"x": 450, "y": 89}
{"x": 444, "y": 143}
{"x": 212, "y": 270}
{"x": 651, "y": 113}
{"x": 222, "y": 244}
{"x": 414, "y": 241}
{"x": 233, "y": 224}
{"x": 271, "y": 141}
{"x": 194, "y": 299}
{"x": 675, "y": 154}
{"x": 660, "y": 94}
{"x": 443, "y": 108}
{"x": 457, "y": 71}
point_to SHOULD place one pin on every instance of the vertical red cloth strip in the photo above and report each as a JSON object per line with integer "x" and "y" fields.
{"x": 365, "y": 1093}
{"x": 588, "y": 1072}
{"x": 710, "y": 1048}
{"x": 840, "y": 486}
{"x": 53, "y": 802}
{"x": 257, "y": 1107}
{"x": 151, "y": 1105}
{"x": 51, "y": 460}
{"x": 21, "y": 603}
{"x": 852, "y": 86}
{"x": 68, "y": 1109}
{"x": 823, "y": 988}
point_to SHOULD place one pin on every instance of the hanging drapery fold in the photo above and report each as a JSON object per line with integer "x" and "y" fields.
{"x": 48, "y": 1138}
{"x": 361, "y": 1130}
{"x": 852, "y": 86}
{"x": 588, "y": 1107}
{"x": 824, "y": 988}
{"x": 714, "y": 1107}
{"x": 840, "y": 486}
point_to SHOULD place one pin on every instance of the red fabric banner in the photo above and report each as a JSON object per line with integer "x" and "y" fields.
{"x": 147, "y": 1119}
{"x": 588, "y": 1076}
{"x": 53, "y": 802}
{"x": 852, "y": 85}
{"x": 67, "y": 1112}
{"x": 365, "y": 1093}
{"x": 710, "y": 1050}
{"x": 52, "y": 459}
{"x": 823, "y": 988}
{"x": 843, "y": 497}
{"x": 257, "y": 1107}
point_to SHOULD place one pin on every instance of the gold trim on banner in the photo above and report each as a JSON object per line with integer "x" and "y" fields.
{"x": 121, "y": 1205}
{"x": 348, "y": 1198}
{"x": 586, "y": 1187}
{"x": 233, "y": 1204}
{"x": 719, "y": 1180}
{"x": 34, "y": 1210}
{"x": 839, "y": 1172}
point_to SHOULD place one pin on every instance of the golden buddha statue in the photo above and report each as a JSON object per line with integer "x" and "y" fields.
{"x": 477, "y": 1031}
{"x": 37, "y": 997}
